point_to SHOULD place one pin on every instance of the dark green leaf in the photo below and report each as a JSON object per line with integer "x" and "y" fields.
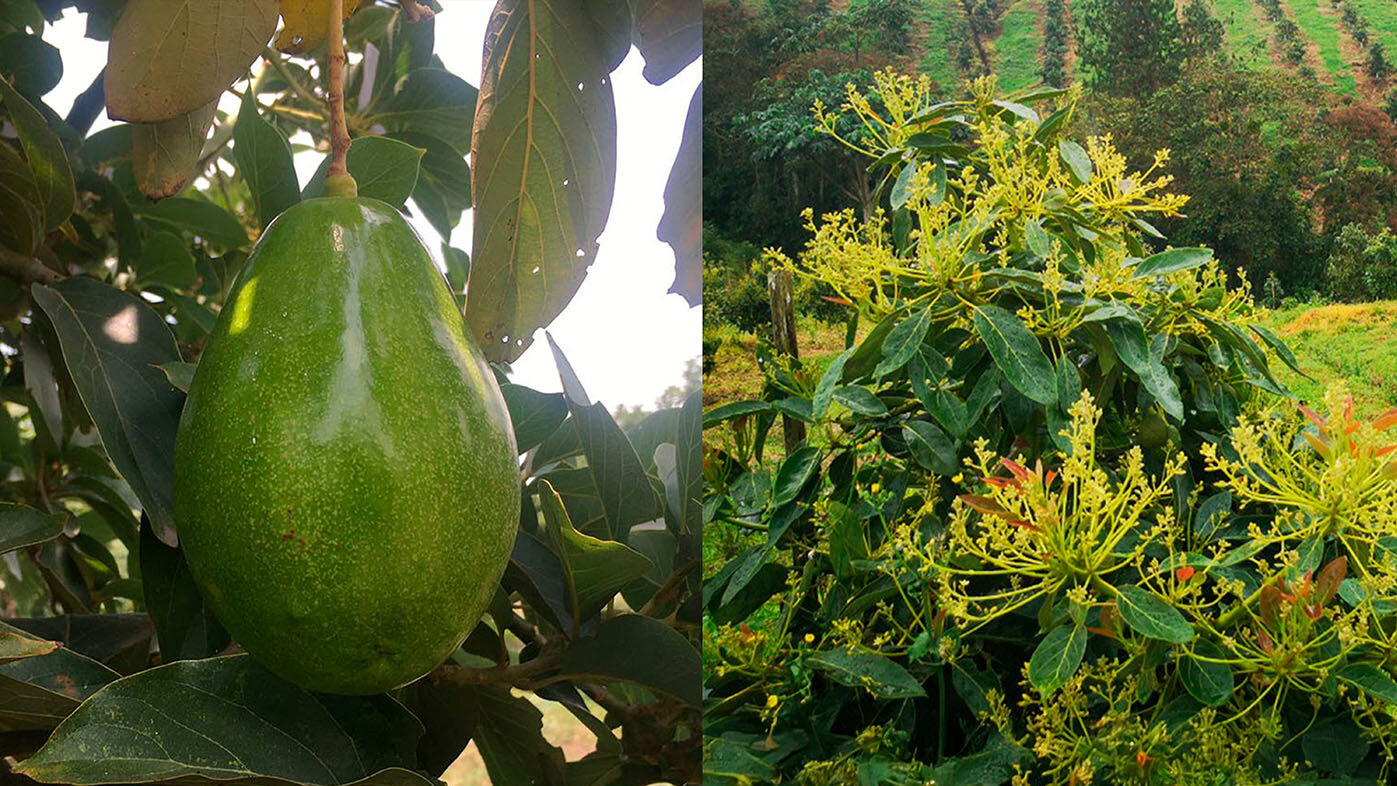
{"x": 200, "y": 217}
{"x": 824, "y": 389}
{"x": 1150, "y": 616}
{"x": 795, "y": 472}
{"x": 1017, "y": 353}
{"x": 1128, "y": 337}
{"x": 535, "y": 414}
{"x": 619, "y": 479}
{"x": 180, "y": 374}
{"x": 1370, "y": 679}
{"x": 434, "y": 102}
{"x": 383, "y": 168}
{"x": 443, "y": 187}
{"x": 33, "y": 65}
{"x": 165, "y": 259}
{"x": 264, "y": 162}
{"x": 1278, "y": 345}
{"x": 639, "y": 650}
{"x": 735, "y": 410}
{"x": 876, "y": 673}
{"x": 21, "y": 525}
{"x": 904, "y": 340}
{"x": 229, "y": 719}
{"x": 185, "y": 625}
{"x": 931, "y": 447}
{"x": 1204, "y": 678}
{"x": 113, "y": 345}
{"x": 40, "y": 691}
{"x": 1057, "y": 657}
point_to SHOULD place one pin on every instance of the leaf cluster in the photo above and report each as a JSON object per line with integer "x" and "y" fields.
{"x": 1056, "y": 521}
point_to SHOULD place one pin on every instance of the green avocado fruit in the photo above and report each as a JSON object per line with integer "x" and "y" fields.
{"x": 346, "y": 479}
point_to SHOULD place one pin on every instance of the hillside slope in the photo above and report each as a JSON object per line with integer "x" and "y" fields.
{"x": 1328, "y": 40}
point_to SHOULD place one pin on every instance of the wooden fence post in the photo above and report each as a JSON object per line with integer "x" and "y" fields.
{"x": 783, "y": 329}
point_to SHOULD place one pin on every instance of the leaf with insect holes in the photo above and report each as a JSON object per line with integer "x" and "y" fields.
{"x": 544, "y": 148}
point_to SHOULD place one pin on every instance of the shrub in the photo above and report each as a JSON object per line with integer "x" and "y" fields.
{"x": 1363, "y": 267}
{"x": 1055, "y": 520}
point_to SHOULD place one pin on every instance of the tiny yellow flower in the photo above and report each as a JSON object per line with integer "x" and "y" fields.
{"x": 772, "y": 701}
{"x": 958, "y": 477}
{"x": 875, "y": 488}
{"x": 809, "y": 638}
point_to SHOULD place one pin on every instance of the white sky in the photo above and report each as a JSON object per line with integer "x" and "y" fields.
{"x": 627, "y": 340}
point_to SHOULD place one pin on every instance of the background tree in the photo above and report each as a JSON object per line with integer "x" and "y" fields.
{"x": 1129, "y": 47}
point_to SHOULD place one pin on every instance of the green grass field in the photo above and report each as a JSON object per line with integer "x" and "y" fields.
{"x": 1243, "y": 34}
{"x": 1324, "y": 32}
{"x": 1353, "y": 342}
{"x": 936, "y": 18}
{"x": 1016, "y": 51}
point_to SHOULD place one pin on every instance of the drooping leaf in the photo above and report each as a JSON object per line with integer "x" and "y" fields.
{"x": 669, "y": 34}
{"x": 1076, "y": 158}
{"x": 112, "y": 345}
{"x": 1017, "y": 353}
{"x": 860, "y": 400}
{"x": 640, "y": 650}
{"x": 264, "y": 162}
{"x": 21, "y": 525}
{"x": 1128, "y": 337}
{"x": 184, "y": 624}
{"x": 383, "y": 168}
{"x": 207, "y": 43}
{"x": 228, "y": 719}
{"x": 680, "y": 226}
{"x": 545, "y": 151}
{"x": 1057, "y": 657}
{"x": 53, "y": 176}
{"x": 1150, "y": 616}
{"x": 164, "y": 154}
{"x": 876, "y": 673}
{"x": 119, "y": 641}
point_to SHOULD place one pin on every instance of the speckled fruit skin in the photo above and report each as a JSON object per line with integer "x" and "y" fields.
{"x": 346, "y": 480}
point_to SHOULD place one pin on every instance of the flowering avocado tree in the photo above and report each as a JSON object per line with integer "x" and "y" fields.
{"x": 1056, "y": 520}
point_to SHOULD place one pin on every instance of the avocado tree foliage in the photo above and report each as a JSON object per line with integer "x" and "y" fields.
{"x": 1055, "y": 521}
{"x": 117, "y": 249}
